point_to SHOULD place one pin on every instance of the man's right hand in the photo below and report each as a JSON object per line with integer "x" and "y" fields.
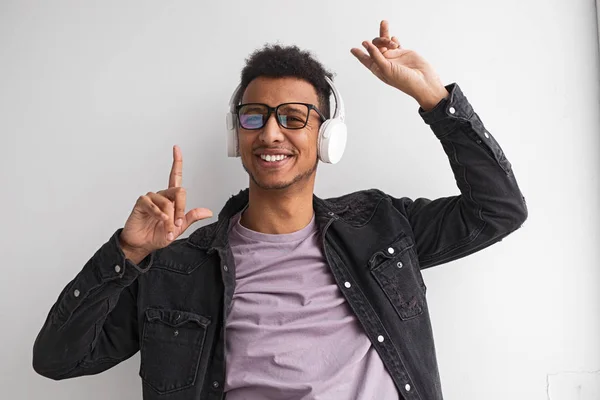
{"x": 159, "y": 218}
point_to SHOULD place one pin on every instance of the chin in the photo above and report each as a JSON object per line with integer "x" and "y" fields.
{"x": 274, "y": 183}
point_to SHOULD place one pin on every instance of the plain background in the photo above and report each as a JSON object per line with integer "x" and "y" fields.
{"x": 94, "y": 94}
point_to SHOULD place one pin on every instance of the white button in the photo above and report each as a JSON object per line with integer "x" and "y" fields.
{"x": 380, "y": 338}
{"x": 347, "y": 284}
{"x": 225, "y": 268}
{"x": 399, "y": 265}
{"x": 76, "y": 293}
{"x": 117, "y": 268}
{"x": 391, "y": 250}
{"x": 452, "y": 110}
{"x": 407, "y": 387}
{"x": 487, "y": 135}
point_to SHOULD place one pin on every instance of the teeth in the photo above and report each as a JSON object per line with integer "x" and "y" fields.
{"x": 273, "y": 158}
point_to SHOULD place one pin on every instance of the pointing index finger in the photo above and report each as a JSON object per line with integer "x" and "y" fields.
{"x": 176, "y": 175}
{"x": 384, "y": 29}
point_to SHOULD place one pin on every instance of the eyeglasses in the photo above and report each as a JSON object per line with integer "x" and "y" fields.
{"x": 289, "y": 115}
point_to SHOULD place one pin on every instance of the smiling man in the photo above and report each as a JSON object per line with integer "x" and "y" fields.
{"x": 288, "y": 296}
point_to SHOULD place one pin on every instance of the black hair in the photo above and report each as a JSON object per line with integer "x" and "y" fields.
{"x": 275, "y": 61}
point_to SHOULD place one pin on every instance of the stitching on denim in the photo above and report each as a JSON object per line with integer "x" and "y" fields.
{"x": 370, "y": 217}
{"x": 177, "y": 271}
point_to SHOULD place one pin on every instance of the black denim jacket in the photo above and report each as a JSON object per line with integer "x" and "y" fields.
{"x": 172, "y": 306}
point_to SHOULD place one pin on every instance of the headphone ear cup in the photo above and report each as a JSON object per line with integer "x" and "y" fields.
{"x": 320, "y": 139}
{"x": 232, "y": 142}
{"x": 331, "y": 142}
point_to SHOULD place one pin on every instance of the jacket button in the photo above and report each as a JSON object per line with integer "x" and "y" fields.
{"x": 347, "y": 284}
{"x": 117, "y": 268}
{"x": 452, "y": 110}
{"x": 487, "y": 135}
{"x": 225, "y": 268}
{"x": 380, "y": 338}
{"x": 391, "y": 250}
{"x": 215, "y": 384}
{"x": 399, "y": 265}
{"x": 76, "y": 293}
{"x": 407, "y": 387}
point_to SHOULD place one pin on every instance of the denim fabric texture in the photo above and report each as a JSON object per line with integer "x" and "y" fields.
{"x": 172, "y": 306}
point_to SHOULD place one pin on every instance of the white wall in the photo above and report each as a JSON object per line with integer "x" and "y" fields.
{"x": 94, "y": 94}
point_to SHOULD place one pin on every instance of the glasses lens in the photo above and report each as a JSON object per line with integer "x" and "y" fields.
{"x": 253, "y": 116}
{"x": 293, "y": 115}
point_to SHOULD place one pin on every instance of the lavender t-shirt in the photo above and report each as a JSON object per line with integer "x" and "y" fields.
{"x": 290, "y": 333}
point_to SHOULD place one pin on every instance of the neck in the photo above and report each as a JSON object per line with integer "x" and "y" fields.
{"x": 278, "y": 211}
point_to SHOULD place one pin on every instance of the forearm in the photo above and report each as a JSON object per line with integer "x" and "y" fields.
{"x": 490, "y": 204}
{"x": 483, "y": 174}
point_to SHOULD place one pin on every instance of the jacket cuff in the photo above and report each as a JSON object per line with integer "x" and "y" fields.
{"x": 111, "y": 263}
{"x": 108, "y": 264}
{"x": 443, "y": 117}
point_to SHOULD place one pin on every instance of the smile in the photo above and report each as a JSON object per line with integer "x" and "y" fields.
{"x": 274, "y": 157}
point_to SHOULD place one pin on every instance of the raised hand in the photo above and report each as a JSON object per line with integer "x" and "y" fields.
{"x": 159, "y": 218}
{"x": 401, "y": 68}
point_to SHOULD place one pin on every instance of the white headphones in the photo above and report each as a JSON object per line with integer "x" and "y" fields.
{"x": 331, "y": 142}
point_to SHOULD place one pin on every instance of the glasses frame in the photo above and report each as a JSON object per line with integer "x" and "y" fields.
{"x": 271, "y": 110}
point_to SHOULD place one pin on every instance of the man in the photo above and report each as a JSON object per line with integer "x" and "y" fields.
{"x": 288, "y": 296}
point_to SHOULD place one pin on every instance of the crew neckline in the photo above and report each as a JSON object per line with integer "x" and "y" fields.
{"x": 299, "y": 235}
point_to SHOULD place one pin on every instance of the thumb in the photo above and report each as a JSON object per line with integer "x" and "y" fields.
{"x": 195, "y": 215}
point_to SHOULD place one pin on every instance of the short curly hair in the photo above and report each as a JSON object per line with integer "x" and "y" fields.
{"x": 276, "y": 61}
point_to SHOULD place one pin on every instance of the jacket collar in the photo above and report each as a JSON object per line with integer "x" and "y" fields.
{"x": 215, "y": 236}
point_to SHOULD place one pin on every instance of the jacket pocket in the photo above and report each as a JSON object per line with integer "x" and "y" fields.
{"x": 396, "y": 270}
{"x": 171, "y": 346}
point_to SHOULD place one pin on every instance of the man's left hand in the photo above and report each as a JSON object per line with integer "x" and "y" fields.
{"x": 402, "y": 68}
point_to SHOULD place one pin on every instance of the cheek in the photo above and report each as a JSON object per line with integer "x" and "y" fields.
{"x": 245, "y": 143}
{"x": 306, "y": 144}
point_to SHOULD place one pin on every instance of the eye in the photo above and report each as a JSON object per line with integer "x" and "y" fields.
{"x": 250, "y": 121}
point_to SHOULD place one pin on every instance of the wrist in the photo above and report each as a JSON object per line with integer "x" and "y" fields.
{"x": 430, "y": 100}
{"x": 134, "y": 254}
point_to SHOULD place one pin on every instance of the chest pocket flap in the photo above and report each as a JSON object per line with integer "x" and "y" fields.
{"x": 171, "y": 347}
{"x": 395, "y": 268}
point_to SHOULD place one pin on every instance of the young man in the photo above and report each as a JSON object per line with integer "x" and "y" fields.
{"x": 288, "y": 296}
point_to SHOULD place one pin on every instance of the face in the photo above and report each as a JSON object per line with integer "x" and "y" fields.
{"x": 297, "y": 147}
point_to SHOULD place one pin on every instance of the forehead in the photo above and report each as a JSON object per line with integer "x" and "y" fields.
{"x": 274, "y": 91}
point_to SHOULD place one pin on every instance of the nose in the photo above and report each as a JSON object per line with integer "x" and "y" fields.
{"x": 271, "y": 132}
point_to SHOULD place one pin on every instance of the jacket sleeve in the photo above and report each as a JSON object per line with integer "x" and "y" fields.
{"x": 93, "y": 324}
{"x": 490, "y": 204}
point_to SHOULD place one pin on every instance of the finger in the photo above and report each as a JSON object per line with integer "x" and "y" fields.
{"x": 395, "y": 40}
{"x": 196, "y": 215}
{"x": 166, "y": 206}
{"x": 384, "y": 30}
{"x": 376, "y": 56}
{"x": 178, "y": 196}
{"x": 362, "y": 57}
{"x": 176, "y": 176}
{"x": 147, "y": 205}
{"x": 385, "y": 43}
